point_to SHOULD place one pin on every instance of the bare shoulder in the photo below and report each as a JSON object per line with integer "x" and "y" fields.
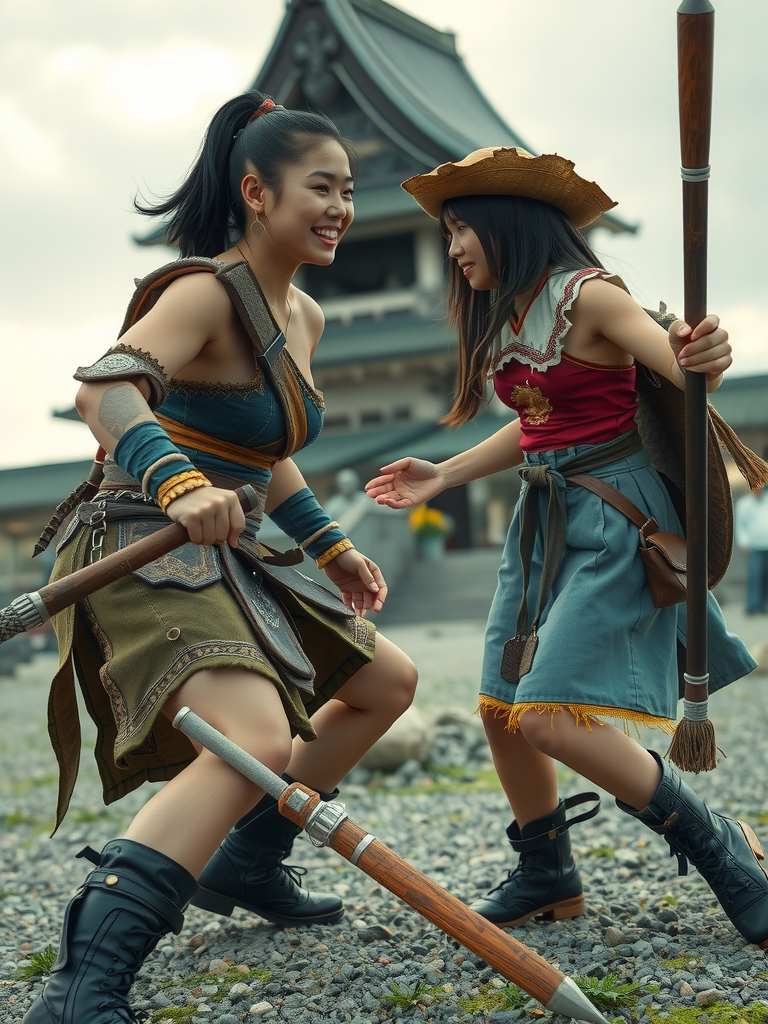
{"x": 192, "y": 311}
{"x": 311, "y": 315}
{"x": 601, "y": 306}
{"x": 599, "y": 292}
{"x": 198, "y": 294}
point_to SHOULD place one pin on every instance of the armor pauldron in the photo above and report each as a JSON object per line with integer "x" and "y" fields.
{"x": 124, "y": 363}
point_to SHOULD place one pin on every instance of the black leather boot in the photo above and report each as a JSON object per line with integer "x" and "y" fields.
{"x": 248, "y": 871}
{"x": 726, "y": 852}
{"x": 123, "y": 908}
{"x": 546, "y": 882}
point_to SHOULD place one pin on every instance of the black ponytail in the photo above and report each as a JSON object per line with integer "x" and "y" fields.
{"x": 207, "y": 211}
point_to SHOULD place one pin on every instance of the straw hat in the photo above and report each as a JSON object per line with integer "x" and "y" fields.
{"x": 501, "y": 171}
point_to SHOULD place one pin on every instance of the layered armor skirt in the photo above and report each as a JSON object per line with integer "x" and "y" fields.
{"x": 136, "y": 641}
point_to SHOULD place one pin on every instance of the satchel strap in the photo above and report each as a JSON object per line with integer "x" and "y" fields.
{"x": 645, "y": 524}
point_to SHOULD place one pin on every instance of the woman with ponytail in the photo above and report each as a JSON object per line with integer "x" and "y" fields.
{"x": 186, "y": 409}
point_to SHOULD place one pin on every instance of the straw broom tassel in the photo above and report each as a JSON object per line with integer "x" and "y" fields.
{"x": 693, "y": 747}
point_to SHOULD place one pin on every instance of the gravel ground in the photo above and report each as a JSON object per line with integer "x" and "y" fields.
{"x": 644, "y": 926}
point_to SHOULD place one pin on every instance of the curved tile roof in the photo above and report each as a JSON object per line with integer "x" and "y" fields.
{"x": 434, "y": 89}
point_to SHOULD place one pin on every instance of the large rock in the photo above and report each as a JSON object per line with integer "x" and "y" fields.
{"x": 408, "y": 739}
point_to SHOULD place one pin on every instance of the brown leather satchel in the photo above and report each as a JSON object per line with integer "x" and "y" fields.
{"x": 662, "y": 551}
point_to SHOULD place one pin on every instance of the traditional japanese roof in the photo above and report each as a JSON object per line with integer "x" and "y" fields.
{"x": 430, "y": 441}
{"x": 743, "y": 401}
{"x": 404, "y": 74}
{"x": 394, "y": 85}
{"x": 383, "y": 341}
{"x": 26, "y": 487}
{"x": 367, "y": 61}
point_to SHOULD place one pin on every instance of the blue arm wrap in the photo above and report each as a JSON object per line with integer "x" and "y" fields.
{"x": 300, "y": 516}
{"x": 143, "y": 444}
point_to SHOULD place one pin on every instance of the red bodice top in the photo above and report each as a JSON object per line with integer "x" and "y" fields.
{"x": 573, "y": 402}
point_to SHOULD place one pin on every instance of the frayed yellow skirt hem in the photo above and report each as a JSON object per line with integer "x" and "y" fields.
{"x": 584, "y": 714}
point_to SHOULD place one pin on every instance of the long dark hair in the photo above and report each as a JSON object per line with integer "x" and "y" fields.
{"x": 521, "y": 238}
{"x": 207, "y": 209}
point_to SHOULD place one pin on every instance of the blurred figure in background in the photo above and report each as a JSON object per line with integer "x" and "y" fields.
{"x": 751, "y": 525}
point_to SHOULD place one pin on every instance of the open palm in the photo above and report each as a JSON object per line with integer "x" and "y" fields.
{"x": 405, "y": 483}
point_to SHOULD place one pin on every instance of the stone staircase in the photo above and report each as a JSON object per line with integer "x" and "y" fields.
{"x": 460, "y": 585}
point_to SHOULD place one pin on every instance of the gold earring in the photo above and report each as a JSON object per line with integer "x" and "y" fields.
{"x": 257, "y": 228}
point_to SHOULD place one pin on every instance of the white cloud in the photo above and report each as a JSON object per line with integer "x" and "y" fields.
{"x": 28, "y": 150}
{"x": 149, "y": 87}
{"x": 748, "y": 332}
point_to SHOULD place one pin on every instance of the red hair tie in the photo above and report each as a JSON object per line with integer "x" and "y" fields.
{"x": 264, "y": 108}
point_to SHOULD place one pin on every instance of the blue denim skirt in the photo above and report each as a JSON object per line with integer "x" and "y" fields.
{"x": 604, "y": 648}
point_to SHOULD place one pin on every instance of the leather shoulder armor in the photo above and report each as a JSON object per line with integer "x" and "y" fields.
{"x": 126, "y": 363}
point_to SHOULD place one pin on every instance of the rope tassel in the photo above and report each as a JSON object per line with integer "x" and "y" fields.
{"x": 693, "y": 747}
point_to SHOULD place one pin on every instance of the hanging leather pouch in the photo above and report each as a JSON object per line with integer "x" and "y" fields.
{"x": 663, "y": 552}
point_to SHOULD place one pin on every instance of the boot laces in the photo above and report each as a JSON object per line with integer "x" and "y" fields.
{"x": 119, "y": 979}
{"x": 294, "y": 873}
{"x": 285, "y": 874}
{"x": 724, "y": 875}
{"x": 522, "y": 869}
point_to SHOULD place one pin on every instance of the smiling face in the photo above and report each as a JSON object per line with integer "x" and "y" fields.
{"x": 465, "y": 247}
{"x": 306, "y": 218}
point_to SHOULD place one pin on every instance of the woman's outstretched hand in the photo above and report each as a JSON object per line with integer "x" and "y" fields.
{"x": 360, "y": 581}
{"x": 405, "y": 483}
{"x": 703, "y": 349}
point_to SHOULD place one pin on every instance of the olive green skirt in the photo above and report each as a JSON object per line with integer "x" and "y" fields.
{"x": 137, "y": 640}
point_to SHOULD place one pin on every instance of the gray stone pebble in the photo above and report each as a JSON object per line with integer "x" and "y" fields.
{"x": 642, "y": 924}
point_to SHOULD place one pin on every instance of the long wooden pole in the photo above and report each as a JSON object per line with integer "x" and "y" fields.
{"x": 30, "y": 610}
{"x": 327, "y": 824}
{"x": 693, "y": 746}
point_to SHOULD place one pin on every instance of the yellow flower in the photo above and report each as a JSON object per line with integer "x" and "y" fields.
{"x": 429, "y": 521}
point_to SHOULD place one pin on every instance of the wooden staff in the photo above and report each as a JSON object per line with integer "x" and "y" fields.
{"x": 31, "y": 610}
{"x": 693, "y": 746}
{"x": 327, "y": 824}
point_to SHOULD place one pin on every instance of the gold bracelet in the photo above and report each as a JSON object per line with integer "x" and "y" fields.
{"x": 189, "y": 484}
{"x": 177, "y": 478}
{"x": 176, "y": 492}
{"x": 331, "y": 553}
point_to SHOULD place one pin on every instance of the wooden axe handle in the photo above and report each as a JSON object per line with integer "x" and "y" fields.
{"x": 509, "y": 957}
{"x": 54, "y": 597}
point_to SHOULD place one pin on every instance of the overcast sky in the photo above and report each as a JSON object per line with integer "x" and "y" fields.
{"x": 99, "y": 99}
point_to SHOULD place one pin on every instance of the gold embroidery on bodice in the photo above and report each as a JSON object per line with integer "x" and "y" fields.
{"x": 529, "y": 400}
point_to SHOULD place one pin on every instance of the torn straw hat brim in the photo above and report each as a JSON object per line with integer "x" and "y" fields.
{"x": 511, "y": 171}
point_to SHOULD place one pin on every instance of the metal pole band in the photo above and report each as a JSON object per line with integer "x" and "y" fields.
{"x": 695, "y": 173}
{"x": 324, "y": 821}
{"x": 696, "y": 680}
{"x": 30, "y": 609}
{"x": 363, "y": 845}
{"x": 695, "y": 710}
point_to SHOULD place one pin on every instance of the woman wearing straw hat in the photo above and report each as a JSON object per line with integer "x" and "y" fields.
{"x": 574, "y": 640}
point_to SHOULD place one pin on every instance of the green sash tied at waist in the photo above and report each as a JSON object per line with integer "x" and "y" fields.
{"x": 519, "y": 650}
